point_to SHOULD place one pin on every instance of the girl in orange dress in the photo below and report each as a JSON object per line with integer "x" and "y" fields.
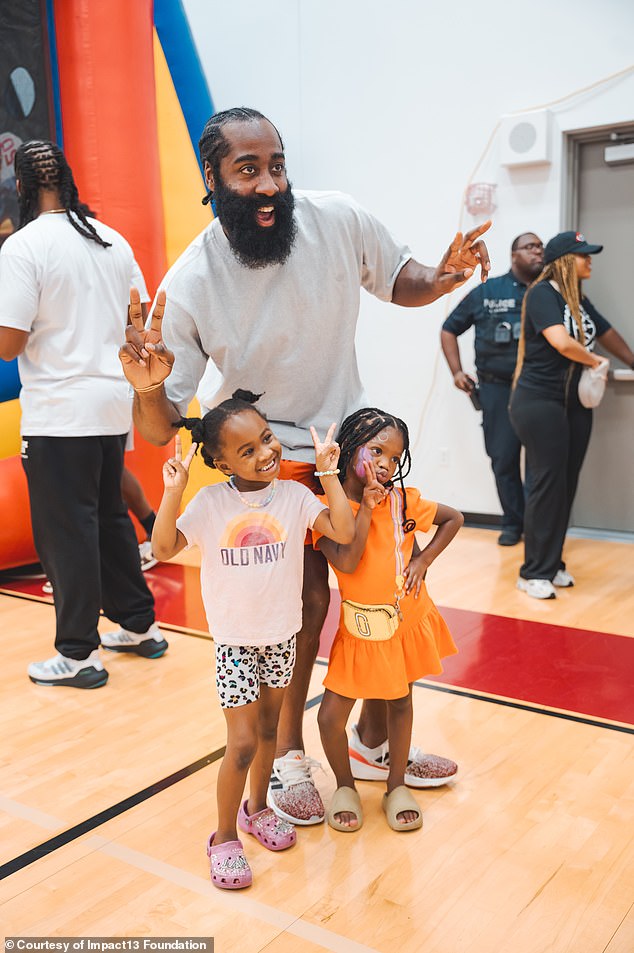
{"x": 390, "y": 632}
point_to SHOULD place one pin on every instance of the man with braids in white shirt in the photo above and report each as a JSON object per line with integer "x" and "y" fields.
{"x": 64, "y": 285}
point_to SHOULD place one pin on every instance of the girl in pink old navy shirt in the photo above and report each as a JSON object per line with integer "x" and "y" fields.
{"x": 250, "y": 531}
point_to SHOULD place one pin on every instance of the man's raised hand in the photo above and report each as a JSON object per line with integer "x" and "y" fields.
{"x": 145, "y": 359}
{"x": 462, "y": 258}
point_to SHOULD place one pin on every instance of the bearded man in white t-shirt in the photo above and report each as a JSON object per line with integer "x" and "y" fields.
{"x": 270, "y": 291}
{"x": 64, "y": 285}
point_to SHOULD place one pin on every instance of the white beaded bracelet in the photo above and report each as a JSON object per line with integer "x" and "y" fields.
{"x": 321, "y": 473}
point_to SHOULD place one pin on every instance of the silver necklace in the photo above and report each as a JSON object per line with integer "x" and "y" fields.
{"x": 253, "y": 506}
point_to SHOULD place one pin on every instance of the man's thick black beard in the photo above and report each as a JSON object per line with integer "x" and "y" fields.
{"x": 254, "y": 246}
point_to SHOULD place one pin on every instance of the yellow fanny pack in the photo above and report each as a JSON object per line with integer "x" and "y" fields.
{"x": 371, "y": 623}
{"x": 379, "y": 623}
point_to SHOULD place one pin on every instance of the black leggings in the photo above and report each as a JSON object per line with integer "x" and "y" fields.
{"x": 556, "y": 438}
{"x": 84, "y": 538}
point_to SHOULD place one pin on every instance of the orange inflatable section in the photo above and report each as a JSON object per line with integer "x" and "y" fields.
{"x": 16, "y": 540}
{"x": 108, "y": 105}
{"x": 106, "y": 76}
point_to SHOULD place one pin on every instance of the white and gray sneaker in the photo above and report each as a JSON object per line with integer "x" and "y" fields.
{"x": 69, "y": 672}
{"x": 292, "y": 793}
{"x": 563, "y": 579}
{"x": 147, "y": 557}
{"x": 150, "y": 644}
{"x": 537, "y": 588}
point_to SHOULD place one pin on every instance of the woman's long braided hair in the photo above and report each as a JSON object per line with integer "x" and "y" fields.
{"x": 207, "y": 432}
{"x": 212, "y": 145}
{"x": 564, "y": 271}
{"x": 41, "y": 165}
{"x": 358, "y": 429}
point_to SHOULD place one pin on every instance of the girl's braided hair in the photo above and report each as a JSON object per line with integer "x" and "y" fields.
{"x": 207, "y": 433}
{"x": 40, "y": 165}
{"x": 358, "y": 429}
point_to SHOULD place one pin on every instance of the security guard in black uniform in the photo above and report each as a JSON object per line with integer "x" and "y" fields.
{"x": 494, "y": 310}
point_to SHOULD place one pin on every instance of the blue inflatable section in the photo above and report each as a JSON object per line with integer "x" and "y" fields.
{"x": 184, "y": 65}
{"x": 9, "y": 380}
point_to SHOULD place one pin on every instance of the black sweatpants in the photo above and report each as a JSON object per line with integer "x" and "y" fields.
{"x": 84, "y": 538}
{"x": 555, "y": 435}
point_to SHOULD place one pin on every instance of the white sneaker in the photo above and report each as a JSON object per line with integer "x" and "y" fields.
{"x": 74, "y": 673}
{"x": 563, "y": 579}
{"x": 537, "y": 588}
{"x": 150, "y": 644}
{"x": 148, "y": 559}
{"x": 47, "y": 587}
{"x": 292, "y": 793}
{"x": 422, "y": 771}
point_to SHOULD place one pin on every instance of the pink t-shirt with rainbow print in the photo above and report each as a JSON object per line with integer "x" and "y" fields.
{"x": 252, "y": 559}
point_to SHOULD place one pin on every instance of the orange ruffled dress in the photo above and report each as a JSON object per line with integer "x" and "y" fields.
{"x": 360, "y": 669}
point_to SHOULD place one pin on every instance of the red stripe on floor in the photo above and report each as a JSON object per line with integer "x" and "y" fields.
{"x": 578, "y": 670}
{"x": 557, "y": 666}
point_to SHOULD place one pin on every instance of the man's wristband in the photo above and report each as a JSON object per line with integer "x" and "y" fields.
{"x": 321, "y": 473}
{"x": 146, "y": 390}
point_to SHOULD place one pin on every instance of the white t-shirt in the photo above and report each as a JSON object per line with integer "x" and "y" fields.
{"x": 252, "y": 563}
{"x": 284, "y": 331}
{"x": 71, "y": 296}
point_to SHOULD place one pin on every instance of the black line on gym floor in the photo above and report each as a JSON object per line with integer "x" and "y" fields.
{"x": 65, "y": 837}
{"x": 507, "y": 703}
{"x": 60, "y": 840}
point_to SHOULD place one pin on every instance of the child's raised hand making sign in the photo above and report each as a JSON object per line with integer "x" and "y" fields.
{"x": 176, "y": 470}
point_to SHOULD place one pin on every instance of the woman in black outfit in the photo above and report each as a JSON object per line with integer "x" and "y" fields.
{"x": 558, "y": 334}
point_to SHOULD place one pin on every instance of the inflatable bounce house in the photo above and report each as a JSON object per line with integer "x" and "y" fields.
{"x": 120, "y": 87}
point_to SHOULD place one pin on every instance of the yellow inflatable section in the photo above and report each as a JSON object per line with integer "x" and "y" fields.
{"x": 9, "y": 428}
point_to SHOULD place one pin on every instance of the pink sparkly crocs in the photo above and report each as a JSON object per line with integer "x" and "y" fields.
{"x": 229, "y": 867}
{"x": 271, "y": 831}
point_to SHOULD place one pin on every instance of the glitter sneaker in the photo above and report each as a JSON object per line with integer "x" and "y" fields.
{"x": 150, "y": 644}
{"x": 70, "y": 672}
{"x": 292, "y": 793}
{"x": 423, "y": 770}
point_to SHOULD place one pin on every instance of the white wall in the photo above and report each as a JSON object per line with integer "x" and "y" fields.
{"x": 398, "y": 104}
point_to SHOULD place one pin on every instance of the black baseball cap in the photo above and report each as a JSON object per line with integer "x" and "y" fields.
{"x": 568, "y": 243}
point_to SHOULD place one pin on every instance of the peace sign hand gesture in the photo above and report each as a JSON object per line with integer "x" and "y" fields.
{"x": 176, "y": 470}
{"x": 373, "y": 492}
{"x": 145, "y": 359}
{"x": 326, "y": 453}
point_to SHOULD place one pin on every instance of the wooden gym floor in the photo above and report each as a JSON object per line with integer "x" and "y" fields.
{"x": 107, "y": 796}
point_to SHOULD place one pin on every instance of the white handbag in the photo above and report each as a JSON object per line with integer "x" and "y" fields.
{"x": 592, "y": 384}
